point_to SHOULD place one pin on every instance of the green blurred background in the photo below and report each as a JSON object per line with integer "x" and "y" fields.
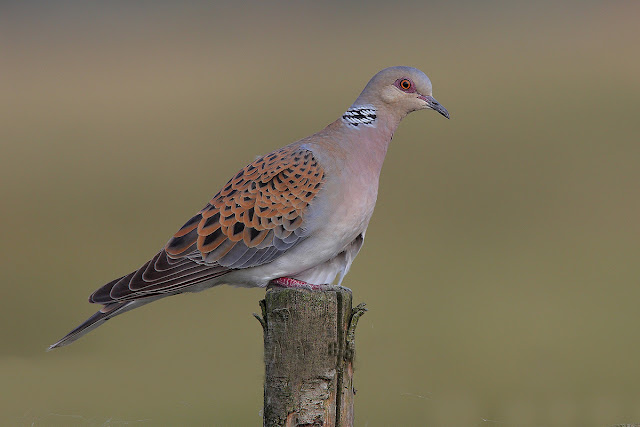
{"x": 501, "y": 265}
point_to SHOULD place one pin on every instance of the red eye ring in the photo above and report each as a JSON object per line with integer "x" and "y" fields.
{"x": 405, "y": 85}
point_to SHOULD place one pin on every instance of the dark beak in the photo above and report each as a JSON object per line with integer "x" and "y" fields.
{"x": 435, "y": 105}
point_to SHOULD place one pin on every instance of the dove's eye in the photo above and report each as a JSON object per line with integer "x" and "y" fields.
{"x": 404, "y": 84}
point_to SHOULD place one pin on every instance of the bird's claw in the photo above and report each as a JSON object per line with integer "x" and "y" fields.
{"x": 287, "y": 282}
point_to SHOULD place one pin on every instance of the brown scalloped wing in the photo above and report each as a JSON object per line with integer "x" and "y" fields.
{"x": 257, "y": 216}
{"x": 160, "y": 275}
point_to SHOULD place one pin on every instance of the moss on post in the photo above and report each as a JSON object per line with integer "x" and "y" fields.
{"x": 308, "y": 353}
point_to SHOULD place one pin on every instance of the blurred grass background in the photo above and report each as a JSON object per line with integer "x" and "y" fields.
{"x": 501, "y": 265}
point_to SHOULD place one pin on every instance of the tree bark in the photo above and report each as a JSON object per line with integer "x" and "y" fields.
{"x": 308, "y": 354}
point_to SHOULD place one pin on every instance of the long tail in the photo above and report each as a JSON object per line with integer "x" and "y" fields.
{"x": 104, "y": 314}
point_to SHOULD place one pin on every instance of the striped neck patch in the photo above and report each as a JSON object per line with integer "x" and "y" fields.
{"x": 360, "y": 115}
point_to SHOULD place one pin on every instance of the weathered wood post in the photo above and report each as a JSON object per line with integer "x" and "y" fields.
{"x": 308, "y": 355}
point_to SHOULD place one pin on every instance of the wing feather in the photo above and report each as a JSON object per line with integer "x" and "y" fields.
{"x": 254, "y": 219}
{"x": 263, "y": 205}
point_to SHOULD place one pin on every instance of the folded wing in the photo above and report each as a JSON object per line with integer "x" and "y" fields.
{"x": 254, "y": 219}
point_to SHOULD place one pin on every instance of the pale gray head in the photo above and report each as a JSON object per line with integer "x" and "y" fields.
{"x": 400, "y": 90}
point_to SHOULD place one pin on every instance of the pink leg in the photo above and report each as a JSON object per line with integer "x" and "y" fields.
{"x": 287, "y": 282}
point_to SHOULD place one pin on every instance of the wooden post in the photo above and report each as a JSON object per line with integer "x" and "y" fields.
{"x": 308, "y": 355}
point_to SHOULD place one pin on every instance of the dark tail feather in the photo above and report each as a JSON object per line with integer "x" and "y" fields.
{"x": 104, "y": 314}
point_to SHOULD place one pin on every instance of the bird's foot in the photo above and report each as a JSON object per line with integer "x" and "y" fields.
{"x": 287, "y": 282}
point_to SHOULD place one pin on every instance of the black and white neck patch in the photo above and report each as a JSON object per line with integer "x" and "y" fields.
{"x": 360, "y": 115}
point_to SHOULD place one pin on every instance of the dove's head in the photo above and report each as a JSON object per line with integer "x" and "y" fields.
{"x": 401, "y": 90}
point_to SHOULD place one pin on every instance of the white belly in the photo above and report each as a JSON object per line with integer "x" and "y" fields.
{"x": 312, "y": 261}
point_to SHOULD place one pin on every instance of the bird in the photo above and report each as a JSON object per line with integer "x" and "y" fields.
{"x": 295, "y": 217}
